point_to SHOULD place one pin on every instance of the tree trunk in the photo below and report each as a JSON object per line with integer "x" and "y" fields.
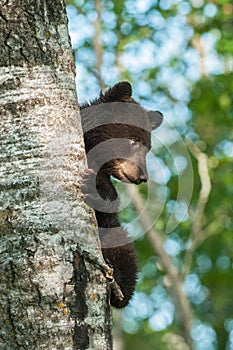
{"x": 53, "y": 296}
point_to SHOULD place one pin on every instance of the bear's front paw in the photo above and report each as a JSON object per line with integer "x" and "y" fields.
{"x": 95, "y": 195}
{"x": 88, "y": 188}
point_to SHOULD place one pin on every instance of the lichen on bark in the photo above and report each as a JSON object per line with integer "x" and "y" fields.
{"x": 45, "y": 227}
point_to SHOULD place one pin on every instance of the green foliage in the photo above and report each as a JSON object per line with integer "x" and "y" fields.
{"x": 178, "y": 56}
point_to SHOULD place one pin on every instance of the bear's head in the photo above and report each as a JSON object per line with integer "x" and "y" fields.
{"x": 117, "y": 134}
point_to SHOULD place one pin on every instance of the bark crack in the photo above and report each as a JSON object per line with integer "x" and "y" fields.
{"x": 80, "y": 283}
{"x": 5, "y": 3}
{"x": 3, "y": 17}
{"x": 8, "y": 34}
{"x": 80, "y": 335}
{"x": 11, "y": 320}
{"x": 23, "y": 55}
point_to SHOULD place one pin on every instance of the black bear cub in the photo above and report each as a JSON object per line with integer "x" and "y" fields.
{"x": 117, "y": 136}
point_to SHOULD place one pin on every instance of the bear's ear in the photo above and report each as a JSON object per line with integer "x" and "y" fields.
{"x": 156, "y": 118}
{"x": 121, "y": 92}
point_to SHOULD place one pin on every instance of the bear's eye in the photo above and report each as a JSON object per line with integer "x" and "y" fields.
{"x": 133, "y": 142}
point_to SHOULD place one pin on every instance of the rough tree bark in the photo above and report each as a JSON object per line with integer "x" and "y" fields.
{"x": 53, "y": 291}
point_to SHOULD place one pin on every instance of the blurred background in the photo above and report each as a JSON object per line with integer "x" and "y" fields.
{"x": 178, "y": 56}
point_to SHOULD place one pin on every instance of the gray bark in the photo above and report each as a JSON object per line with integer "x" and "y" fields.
{"x": 53, "y": 293}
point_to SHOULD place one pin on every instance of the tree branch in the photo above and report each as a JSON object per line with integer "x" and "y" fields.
{"x": 197, "y": 233}
{"x": 172, "y": 273}
{"x": 97, "y": 43}
{"x": 197, "y": 44}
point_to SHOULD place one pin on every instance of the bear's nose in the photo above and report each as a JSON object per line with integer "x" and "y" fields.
{"x": 143, "y": 178}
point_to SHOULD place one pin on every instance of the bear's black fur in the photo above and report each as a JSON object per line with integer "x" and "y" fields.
{"x": 117, "y": 138}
